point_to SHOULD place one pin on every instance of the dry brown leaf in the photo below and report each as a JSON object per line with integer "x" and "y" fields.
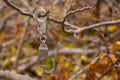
{"x": 65, "y": 75}
{"x": 115, "y": 46}
{"x": 101, "y": 66}
{"x": 101, "y": 55}
{"x": 90, "y": 72}
{"x": 2, "y": 36}
{"x": 112, "y": 57}
{"x": 54, "y": 76}
{"x": 18, "y": 32}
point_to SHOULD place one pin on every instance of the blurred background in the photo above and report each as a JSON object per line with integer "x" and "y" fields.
{"x": 71, "y": 54}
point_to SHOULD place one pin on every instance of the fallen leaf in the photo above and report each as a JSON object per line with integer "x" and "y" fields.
{"x": 112, "y": 56}
{"x": 115, "y": 46}
{"x": 18, "y": 32}
{"x": 103, "y": 63}
{"x": 111, "y": 28}
{"x": 38, "y": 70}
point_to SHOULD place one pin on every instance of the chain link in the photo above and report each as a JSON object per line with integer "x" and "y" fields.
{"x": 43, "y": 38}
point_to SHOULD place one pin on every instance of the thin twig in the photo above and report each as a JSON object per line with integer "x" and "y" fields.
{"x": 6, "y": 19}
{"x": 5, "y": 45}
{"x": 78, "y": 73}
{"x": 82, "y": 70}
{"x": 26, "y": 4}
{"x": 23, "y": 38}
{"x": 70, "y": 13}
{"x": 2, "y": 7}
{"x": 9, "y": 3}
{"x": 21, "y": 42}
{"x": 96, "y": 25}
{"x": 29, "y": 62}
{"x": 75, "y": 11}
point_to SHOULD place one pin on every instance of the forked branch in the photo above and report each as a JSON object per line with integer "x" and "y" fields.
{"x": 76, "y": 29}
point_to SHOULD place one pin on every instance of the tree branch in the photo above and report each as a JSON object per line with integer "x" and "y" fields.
{"x": 75, "y": 11}
{"x": 77, "y": 30}
{"x": 17, "y": 8}
{"x": 95, "y": 25}
{"x": 9, "y": 75}
{"x": 21, "y": 42}
{"x": 27, "y": 63}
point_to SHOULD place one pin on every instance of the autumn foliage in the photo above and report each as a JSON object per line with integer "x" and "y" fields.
{"x": 83, "y": 37}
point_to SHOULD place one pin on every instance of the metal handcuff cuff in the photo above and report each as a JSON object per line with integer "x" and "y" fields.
{"x": 43, "y": 48}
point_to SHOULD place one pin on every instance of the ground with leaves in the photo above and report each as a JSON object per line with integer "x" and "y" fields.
{"x": 82, "y": 35}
